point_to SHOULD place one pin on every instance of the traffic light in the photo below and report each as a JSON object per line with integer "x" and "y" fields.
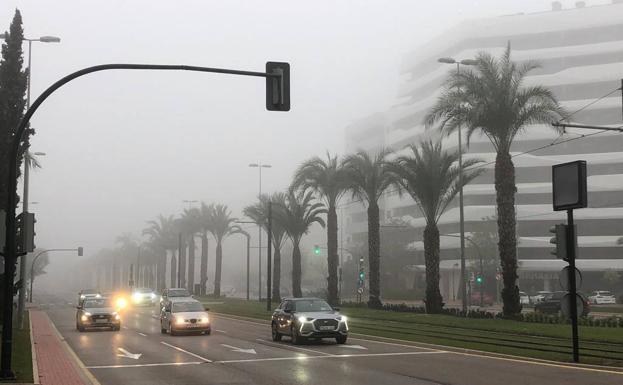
{"x": 559, "y": 240}
{"x": 80, "y": 251}
{"x": 278, "y": 86}
{"x": 316, "y": 250}
{"x": 479, "y": 279}
{"x": 25, "y": 226}
{"x": 362, "y": 276}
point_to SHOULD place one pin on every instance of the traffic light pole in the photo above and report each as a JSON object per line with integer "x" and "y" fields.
{"x": 572, "y": 285}
{"x": 278, "y": 99}
{"x": 269, "y": 255}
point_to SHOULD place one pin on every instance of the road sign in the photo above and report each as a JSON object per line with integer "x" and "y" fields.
{"x": 565, "y": 305}
{"x": 360, "y": 290}
{"x": 569, "y": 185}
{"x": 563, "y": 278}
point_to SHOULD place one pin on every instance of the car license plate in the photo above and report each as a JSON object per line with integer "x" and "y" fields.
{"x": 327, "y": 328}
{"x": 101, "y": 321}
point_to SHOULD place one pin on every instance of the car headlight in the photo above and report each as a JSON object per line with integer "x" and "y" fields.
{"x": 343, "y": 318}
{"x": 179, "y": 320}
{"x": 121, "y": 303}
{"x": 152, "y": 295}
{"x": 116, "y": 316}
{"x": 302, "y": 319}
{"x": 82, "y": 296}
{"x": 204, "y": 320}
{"x": 98, "y": 296}
{"x": 136, "y": 296}
{"x": 84, "y": 318}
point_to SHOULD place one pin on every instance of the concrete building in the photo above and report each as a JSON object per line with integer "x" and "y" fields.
{"x": 580, "y": 50}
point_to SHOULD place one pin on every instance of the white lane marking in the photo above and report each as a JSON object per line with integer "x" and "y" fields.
{"x": 283, "y": 346}
{"x": 304, "y": 358}
{"x": 144, "y": 365}
{"x": 126, "y": 354}
{"x": 390, "y": 343}
{"x": 186, "y": 351}
{"x": 353, "y": 347}
{"x": 220, "y": 331}
{"x": 125, "y": 327}
{"x": 143, "y": 334}
{"x": 239, "y": 350}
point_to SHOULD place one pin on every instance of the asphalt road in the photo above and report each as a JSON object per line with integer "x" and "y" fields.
{"x": 241, "y": 352}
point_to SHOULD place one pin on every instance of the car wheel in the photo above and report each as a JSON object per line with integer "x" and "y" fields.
{"x": 208, "y": 332}
{"x": 297, "y": 339}
{"x": 163, "y": 330}
{"x": 275, "y": 334}
{"x": 116, "y": 328}
{"x": 80, "y": 328}
{"x": 341, "y": 339}
{"x": 171, "y": 331}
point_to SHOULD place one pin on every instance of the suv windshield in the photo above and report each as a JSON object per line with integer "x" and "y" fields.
{"x": 179, "y": 307}
{"x": 89, "y": 291}
{"x": 310, "y": 305}
{"x": 178, "y": 293}
{"x": 97, "y": 303}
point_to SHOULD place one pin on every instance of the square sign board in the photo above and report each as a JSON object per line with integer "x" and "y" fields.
{"x": 569, "y": 185}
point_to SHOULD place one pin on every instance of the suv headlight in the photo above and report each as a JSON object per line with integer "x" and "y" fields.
{"x": 116, "y": 316}
{"x": 179, "y": 320}
{"x": 302, "y": 319}
{"x": 343, "y": 318}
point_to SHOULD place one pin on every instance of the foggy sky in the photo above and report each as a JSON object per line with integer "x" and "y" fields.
{"x": 123, "y": 147}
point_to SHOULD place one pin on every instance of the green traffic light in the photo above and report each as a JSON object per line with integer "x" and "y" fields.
{"x": 317, "y": 250}
{"x": 479, "y": 279}
{"x": 362, "y": 275}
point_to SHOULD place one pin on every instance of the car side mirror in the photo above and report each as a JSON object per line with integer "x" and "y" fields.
{"x": 336, "y": 309}
{"x": 206, "y": 308}
{"x": 287, "y": 310}
{"x": 79, "y": 307}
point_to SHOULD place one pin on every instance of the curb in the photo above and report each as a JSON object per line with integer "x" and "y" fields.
{"x": 86, "y": 375}
{"x": 35, "y": 368}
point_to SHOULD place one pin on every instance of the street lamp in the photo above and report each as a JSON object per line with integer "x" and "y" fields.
{"x": 467, "y": 62}
{"x": 260, "y": 166}
{"x": 246, "y": 234}
{"x": 80, "y": 251}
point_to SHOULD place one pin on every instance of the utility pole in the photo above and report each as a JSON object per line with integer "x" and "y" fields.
{"x": 269, "y": 255}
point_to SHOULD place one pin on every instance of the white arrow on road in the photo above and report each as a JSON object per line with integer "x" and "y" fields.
{"x": 126, "y": 354}
{"x": 239, "y": 350}
{"x": 355, "y": 347}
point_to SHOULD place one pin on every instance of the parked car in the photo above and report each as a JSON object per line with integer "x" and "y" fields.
{"x": 524, "y": 298}
{"x": 303, "y": 318}
{"x": 551, "y": 304}
{"x": 143, "y": 296}
{"x": 184, "y": 315}
{"x": 539, "y": 296}
{"x": 174, "y": 292}
{"x": 97, "y": 313}
{"x": 600, "y": 297}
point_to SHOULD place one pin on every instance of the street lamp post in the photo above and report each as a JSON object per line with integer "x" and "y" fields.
{"x": 469, "y": 62}
{"x": 32, "y": 265}
{"x": 241, "y": 231}
{"x": 260, "y": 166}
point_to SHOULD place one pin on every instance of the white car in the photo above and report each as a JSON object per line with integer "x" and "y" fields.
{"x": 524, "y": 298}
{"x": 540, "y": 296}
{"x": 600, "y": 297}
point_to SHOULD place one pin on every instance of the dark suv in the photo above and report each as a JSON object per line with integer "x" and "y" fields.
{"x": 303, "y": 318}
{"x": 551, "y": 304}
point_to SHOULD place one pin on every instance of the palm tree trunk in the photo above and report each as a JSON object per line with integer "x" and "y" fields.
{"x": 434, "y": 301}
{"x": 191, "y": 264}
{"x": 332, "y": 256}
{"x": 276, "y": 273}
{"x": 162, "y": 267}
{"x": 173, "y": 269}
{"x": 374, "y": 256}
{"x": 217, "y": 273}
{"x": 204, "y": 262}
{"x": 505, "y": 189}
{"x": 296, "y": 270}
{"x": 182, "y": 264}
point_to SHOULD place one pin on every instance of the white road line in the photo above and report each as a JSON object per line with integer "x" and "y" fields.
{"x": 125, "y": 327}
{"x": 186, "y": 351}
{"x": 391, "y": 343}
{"x": 220, "y": 331}
{"x": 143, "y": 334}
{"x": 304, "y": 358}
{"x": 283, "y": 346}
{"x": 144, "y": 365}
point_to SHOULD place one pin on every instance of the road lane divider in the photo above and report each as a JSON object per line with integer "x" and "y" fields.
{"x": 145, "y": 365}
{"x": 239, "y": 350}
{"x": 290, "y": 347}
{"x": 186, "y": 351}
{"x": 305, "y": 358}
{"x": 126, "y": 354}
{"x": 143, "y": 334}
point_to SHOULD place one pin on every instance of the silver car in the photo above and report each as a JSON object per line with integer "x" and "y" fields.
{"x": 184, "y": 315}
{"x": 308, "y": 318}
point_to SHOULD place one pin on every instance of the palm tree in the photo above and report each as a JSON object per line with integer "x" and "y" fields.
{"x": 492, "y": 100}
{"x": 368, "y": 179}
{"x": 222, "y": 226}
{"x": 328, "y": 179}
{"x": 259, "y": 214}
{"x": 191, "y": 224}
{"x": 432, "y": 178}
{"x": 296, "y": 217}
{"x": 162, "y": 235}
{"x": 205, "y": 221}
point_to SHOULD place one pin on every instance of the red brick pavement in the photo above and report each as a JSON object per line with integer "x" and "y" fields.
{"x": 55, "y": 364}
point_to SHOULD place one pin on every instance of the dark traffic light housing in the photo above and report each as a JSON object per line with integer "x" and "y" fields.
{"x": 277, "y": 86}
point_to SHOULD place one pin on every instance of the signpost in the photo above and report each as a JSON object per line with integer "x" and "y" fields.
{"x": 569, "y": 192}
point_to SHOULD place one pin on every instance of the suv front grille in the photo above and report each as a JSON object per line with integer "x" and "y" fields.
{"x": 319, "y": 324}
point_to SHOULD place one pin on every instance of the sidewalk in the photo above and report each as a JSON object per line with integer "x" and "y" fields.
{"x": 55, "y": 364}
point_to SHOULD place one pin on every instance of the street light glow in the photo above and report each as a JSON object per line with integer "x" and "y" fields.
{"x": 49, "y": 39}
